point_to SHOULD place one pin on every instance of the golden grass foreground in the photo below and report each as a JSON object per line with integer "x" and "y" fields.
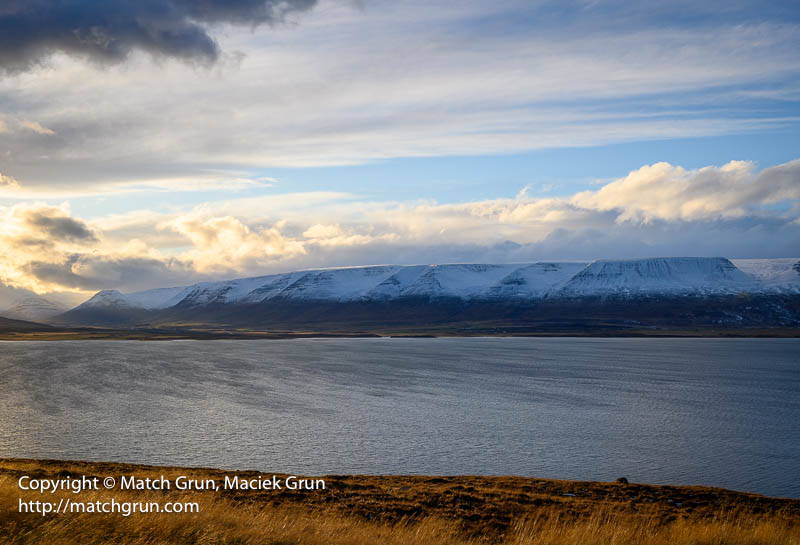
{"x": 402, "y": 510}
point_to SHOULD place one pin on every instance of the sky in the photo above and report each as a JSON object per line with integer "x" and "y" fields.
{"x": 164, "y": 142}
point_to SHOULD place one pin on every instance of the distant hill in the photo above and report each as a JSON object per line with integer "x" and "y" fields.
{"x": 35, "y": 309}
{"x": 671, "y": 291}
{"x": 8, "y": 325}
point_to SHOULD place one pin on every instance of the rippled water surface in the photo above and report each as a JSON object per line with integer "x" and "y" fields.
{"x": 723, "y": 412}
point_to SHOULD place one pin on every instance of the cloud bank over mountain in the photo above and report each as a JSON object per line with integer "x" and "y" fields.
{"x": 731, "y": 210}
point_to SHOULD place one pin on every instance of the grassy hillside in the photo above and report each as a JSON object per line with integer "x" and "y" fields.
{"x": 7, "y": 325}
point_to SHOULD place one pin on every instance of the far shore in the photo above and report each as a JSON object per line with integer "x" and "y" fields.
{"x": 394, "y": 509}
{"x": 200, "y": 333}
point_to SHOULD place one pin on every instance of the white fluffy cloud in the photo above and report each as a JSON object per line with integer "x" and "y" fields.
{"x": 8, "y": 182}
{"x": 667, "y": 192}
{"x": 221, "y": 244}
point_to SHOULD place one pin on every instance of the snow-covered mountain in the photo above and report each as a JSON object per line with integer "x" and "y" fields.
{"x": 485, "y": 282}
{"x": 463, "y": 281}
{"x": 33, "y": 309}
{"x": 110, "y": 299}
{"x": 157, "y": 298}
{"x": 536, "y": 280}
{"x": 348, "y": 284}
{"x": 557, "y": 296}
{"x": 777, "y": 275}
{"x": 149, "y": 299}
{"x": 676, "y": 275}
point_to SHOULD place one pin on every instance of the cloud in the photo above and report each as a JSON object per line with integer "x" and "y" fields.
{"x": 29, "y": 229}
{"x": 225, "y": 243}
{"x": 108, "y": 31}
{"x": 45, "y": 249}
{"x": 350, "y": 87}
{"x": 53, "y": 224}
{"x": 86, "y": 272}
{"x": 319, "y": 231}
{"x": 35, "y": 127}
{"x": 203, "y": 180}
{"x": 8, "y": 182}
{"x": 664, "y": 191}
{"x": 335, "y": 236}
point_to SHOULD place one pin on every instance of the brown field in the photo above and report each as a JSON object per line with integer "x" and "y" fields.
{"x": 92, "y": 334}
{"x": 407, "y": 510}
{"x": 88, "y": 334}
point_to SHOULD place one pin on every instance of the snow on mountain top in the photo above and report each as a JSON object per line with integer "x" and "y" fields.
{"x": 107, "y": 298}
{"x": 35, "y": 302}
{"x": 336, "y": 284}
{"x": 457, "y": 280}
{"x": 152, "y": 298}
{"x": 226, "y": 291}
{"x": 536, "y": 280}
{"x": 660, "y": 275}
{"x": 273, "y": 287}
{"x": 33, "y": 309}
{"x": 393, "y": 286}
{"x": 775, "y": 274}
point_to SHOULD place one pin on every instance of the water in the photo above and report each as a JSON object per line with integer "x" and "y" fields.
{"x": 722, "y": 412}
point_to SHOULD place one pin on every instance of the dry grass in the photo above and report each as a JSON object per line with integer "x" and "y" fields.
{"x": 608, "y": 527}
{"x": 403, "y": 510}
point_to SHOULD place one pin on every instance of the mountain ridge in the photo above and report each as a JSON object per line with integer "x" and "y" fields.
{"x": 716, "y": 274}
{"x": 468, "y": 293}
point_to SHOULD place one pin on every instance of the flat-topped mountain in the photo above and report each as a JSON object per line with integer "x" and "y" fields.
{"x": 425, "y": 287}
{"x": 477, "y": 281}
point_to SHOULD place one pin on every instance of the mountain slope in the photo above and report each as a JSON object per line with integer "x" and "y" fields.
{"x": 105, "y": 308}
{"x": 777, "y": 275}
{"x": 534, "y": 281}
{"x": 684, "y": 275}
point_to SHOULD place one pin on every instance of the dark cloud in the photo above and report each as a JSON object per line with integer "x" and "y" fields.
{"x": 109, "y": 30}
{"x": 91, "y": 272}
{"x": 59, "y": 227}
{"x": 10, "y": 295}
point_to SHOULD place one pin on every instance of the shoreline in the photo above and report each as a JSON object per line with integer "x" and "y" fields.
{"x": 89, "y": 334}
{"x": 48, "y": 465}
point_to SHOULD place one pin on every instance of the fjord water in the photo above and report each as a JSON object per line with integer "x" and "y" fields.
{"x": 721, "y": 412}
